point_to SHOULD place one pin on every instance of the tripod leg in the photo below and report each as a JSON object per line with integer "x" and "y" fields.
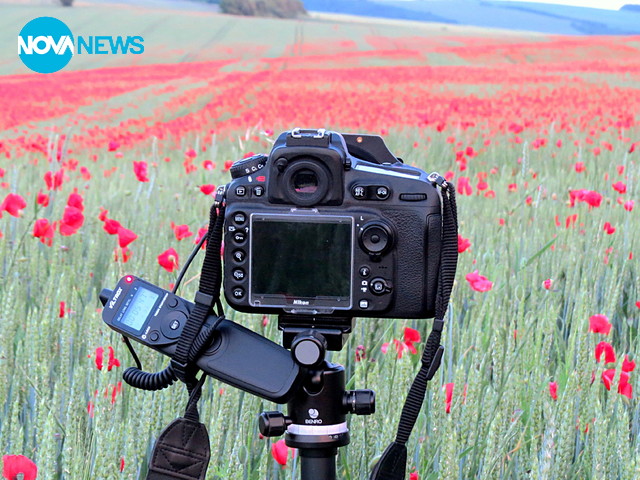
{"x": 318, "y": 463}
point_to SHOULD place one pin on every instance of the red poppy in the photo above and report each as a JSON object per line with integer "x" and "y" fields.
{"x": 42, "y": 199}
{"x": 85, "y": 173}
{"x": 448, "y": 397}
{"x": 125, "y": 236}
{"x": 140, "y": 170}
{"x": 168, "y": 260}
{"x": 227, "y": 165}
{"x": 478, "y": 282}
{"x": 361, "y": 352}
{"x": 620, "y": 187}
{"x": 181, "y": 231}
{"x": 102, "y": 216}
{"x": 414, "y": 476}
{"x": 553, "y": 390}
{"x": 280, "y": 452}
{"x": 201, "y": 232}
{"x": 113, "y": 146}
{"x": 207, "y": 189}
{"x": 62, "y": 310}
{"x": 13, "y": 205}
{"x": 99, "y": 357}
{"x": 113, "y": 361}
{"x": 121, "y": 464}
{"x": 53, "y": 180}
{"x": 607, "y": 377}
{"x": 72, "y": 220}
{"x": 547, "y": 284}
{"x": 463, "y": 244}
{"x": 111, "y": 226}
{"x": 594, "y": 199}
{"x": 44, "y": 230}
{"x": 628, "y": 205}
{"x": 599, "y": 324}
{"x": 75, "y": 200}
{"x": 628, "y": 365}
{"x": 122, "y": 253}
{"x": 14, "y": 465}
{"x": 610, "y": 229}
{"x": 579, "y": 167}
{"x": 464, "y": 187}
{"x": 606, "y": 349}
{"x": 624, "y": 387}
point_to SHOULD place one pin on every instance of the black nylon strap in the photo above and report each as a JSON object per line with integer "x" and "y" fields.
{"x": 209, "y": 288}
{"x": 392, "y": 464}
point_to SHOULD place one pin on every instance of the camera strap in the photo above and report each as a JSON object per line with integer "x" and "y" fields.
{"x": 207, "y": 295}
{"x": 182, "y": 451}
{"x": 392, "y": 464}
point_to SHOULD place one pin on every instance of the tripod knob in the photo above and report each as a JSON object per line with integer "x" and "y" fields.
{"x": 360, "y": 402}
{"x": 273, "y": 424}
{"x": 308, "y": 348}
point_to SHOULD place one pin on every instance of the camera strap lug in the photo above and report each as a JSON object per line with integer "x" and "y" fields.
{"x": 436, "y": 178}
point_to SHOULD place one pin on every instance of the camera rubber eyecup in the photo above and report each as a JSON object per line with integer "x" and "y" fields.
{"x": 305, "y": 182}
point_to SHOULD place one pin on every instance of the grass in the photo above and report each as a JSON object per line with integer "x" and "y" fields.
{"x": 503, "y": 347}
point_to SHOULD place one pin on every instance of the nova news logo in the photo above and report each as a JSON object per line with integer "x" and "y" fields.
{"x": 46, "y": 45}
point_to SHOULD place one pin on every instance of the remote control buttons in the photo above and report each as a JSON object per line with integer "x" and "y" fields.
{"x": 172, "y": 324}
{"x": 376, "y": 238}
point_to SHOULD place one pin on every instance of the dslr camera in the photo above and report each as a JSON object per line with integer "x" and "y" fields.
{"x": 332, "y": 225}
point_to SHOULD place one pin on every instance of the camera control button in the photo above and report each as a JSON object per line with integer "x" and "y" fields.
{"x": 239, "y": 236}
{"x": 365, "y": 271}
{"x": 239, "y": 274}
{"x": 258, "y": 190}
{"x": 238, "y": 293}
{"x": 172, "y": 302}
{"x": 154, "y": 336}
{"x": 359, "y": 192}
{"x": 364, "y": 304}
{"x": 239, "y": 218}
{"x": 375, "y": 238}
{"x": 241, "y": 191}
{"x": 378, "y": 286}
{"x": 239, "y": 255}
{"x": 382, "y": 193}
{"x": 172, "y": 323}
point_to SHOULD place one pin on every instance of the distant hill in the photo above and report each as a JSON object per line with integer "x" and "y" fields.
{"x": 524, "y": 16}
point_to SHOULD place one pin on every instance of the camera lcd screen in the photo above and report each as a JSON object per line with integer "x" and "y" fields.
{"x": 302, "y": 258}
{"x": 139, "y": 308}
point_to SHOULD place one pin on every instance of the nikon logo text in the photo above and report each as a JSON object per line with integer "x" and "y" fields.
{"x": 301, "y": 302}
{"x": 46, "y": 45}
{"x": 113, "y": 301}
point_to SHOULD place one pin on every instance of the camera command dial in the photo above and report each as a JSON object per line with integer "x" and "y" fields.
{"x": 247, "y": 166}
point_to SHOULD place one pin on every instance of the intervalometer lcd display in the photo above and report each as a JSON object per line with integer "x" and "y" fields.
{"x": 139, "y": 308}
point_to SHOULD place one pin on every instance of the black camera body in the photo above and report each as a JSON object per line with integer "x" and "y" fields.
{"x": 331, "y": 225}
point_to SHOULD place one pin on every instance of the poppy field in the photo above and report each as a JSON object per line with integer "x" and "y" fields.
{"x": 110, "y": 169}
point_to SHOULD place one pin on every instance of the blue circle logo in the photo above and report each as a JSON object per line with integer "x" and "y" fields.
{"x": 45, "y": 45}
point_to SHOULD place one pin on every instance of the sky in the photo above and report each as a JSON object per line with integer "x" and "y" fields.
{"x": 605, "y": 4}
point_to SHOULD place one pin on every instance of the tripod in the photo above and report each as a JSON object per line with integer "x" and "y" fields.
{"x": 316, "y": 422}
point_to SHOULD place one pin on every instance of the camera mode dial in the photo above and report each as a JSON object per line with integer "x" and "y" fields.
{"x": 247, "y": 166}
{"x": 376, "y": 238}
